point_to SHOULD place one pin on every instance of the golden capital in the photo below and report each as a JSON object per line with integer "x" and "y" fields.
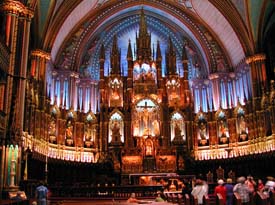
{"x": 41, "y": 54}
{"x": 16, "y": 7}
{"x": 255, "y": 58}
{"x": 29, "y": 13}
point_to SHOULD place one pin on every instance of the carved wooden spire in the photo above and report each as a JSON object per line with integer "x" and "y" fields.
{"x": 171, "y": 59}
{"x": 144, "y": 51}
{"x": 129, "y": 51}
{"x": 115, "y": 57}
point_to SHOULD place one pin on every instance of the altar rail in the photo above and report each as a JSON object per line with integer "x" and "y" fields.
{"x": 122, "y": 192}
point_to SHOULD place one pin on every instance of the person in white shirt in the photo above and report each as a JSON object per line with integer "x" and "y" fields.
{"x": 199, "y": 191}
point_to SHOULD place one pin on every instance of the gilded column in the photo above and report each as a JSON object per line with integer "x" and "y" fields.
{"x": 258, "y": 75}
{"x": 17, "y": 18}
{"x": 38, "y": 72}
{"x": 38, "y": 66}
{"x": 215, "y": 89}
{"x": 2, "y": 172}
{"x": 12, "y": 10}
{"x": 272, "y": 106}
{"x": 28, "y": 14}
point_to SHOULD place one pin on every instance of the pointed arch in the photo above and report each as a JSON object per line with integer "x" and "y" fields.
{"x": 116, "y": 127}
{"x": 222, "y": 126}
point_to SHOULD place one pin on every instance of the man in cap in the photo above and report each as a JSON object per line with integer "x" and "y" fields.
{"x": 243, "y": 190}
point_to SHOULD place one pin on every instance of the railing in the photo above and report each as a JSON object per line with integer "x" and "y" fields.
{"x": 122, "y": 192}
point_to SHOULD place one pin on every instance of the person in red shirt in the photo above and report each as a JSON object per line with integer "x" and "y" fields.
{"x": 220, "y": 189}
{"x": 260, "y": 186}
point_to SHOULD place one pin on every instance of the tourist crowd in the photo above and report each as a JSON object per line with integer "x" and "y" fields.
{"x": 245, "y": 187}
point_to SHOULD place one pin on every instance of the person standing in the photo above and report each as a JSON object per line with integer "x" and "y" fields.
{"x": 41, "y": 194}
{"x": 199, "y": 191}
{"x": 220, "y": 189}
{"x": 260, "y": 186}
{"x": 243, "y": 190}
{"x": 229, "y": 191}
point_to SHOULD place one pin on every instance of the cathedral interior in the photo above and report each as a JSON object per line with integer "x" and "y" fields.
{"x": 121, "y": 92}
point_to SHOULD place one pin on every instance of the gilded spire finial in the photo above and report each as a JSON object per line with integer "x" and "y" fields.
{"x": 143, "y": 25}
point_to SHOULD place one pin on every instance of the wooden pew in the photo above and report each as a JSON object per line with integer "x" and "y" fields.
{"x": 219, "y": 199}
{"x": 272, "y": 198}
{"x": 187, "y": 199}
{"x": 206, "y": 200}
{"x": 193, "y": 200}
{"x": 236, "y": 199}
{"x": 260, "y": 199}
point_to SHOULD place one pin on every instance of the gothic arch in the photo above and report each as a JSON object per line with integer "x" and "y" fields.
{"x": 199, "y": 37}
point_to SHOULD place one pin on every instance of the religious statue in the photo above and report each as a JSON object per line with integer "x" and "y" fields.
{"x": 242, "y": 125}
{"x": 52, "y": 130}
{"x": 88, "y": 135}
{"x": 115, "y": 132}
{"x": 136, "y": 128}
{"x": 222, "y": 128}
{"x": 145, "y": 117}
{"x": 115, "y": 94}
{"x": 202, "y": 130}
{"x": 156, "y": 127}
{"x": 223, "y": 131}
{"x": 115, "y": 129}
{"x": 177, "y": 130}
{"x": 181, "y": 165}
{"x": 69, "y": 130}
{"x": 69, "y": 133}
{"x": 148, "y": 148}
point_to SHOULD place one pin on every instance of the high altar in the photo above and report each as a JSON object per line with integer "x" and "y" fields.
{"x": 144, "y": 112}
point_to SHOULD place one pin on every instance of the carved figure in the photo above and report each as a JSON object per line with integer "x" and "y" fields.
{"x": 202, "y": 127}
{"x": 69, "y": 130}
{"x": 222, "y": 128}
{"x": 242, "y": 125}
{"x": 148, "y": 148}
{"x": 52, "y": 128}
{"x": 156, "y": 127}
{"x": 115, "y": 129}
{"x": 177, "y": 129}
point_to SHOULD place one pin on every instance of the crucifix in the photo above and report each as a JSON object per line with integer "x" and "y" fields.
{"x": 146, "y": 118}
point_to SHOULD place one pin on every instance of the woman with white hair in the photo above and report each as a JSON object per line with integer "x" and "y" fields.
{"x": 220, "y": 189}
